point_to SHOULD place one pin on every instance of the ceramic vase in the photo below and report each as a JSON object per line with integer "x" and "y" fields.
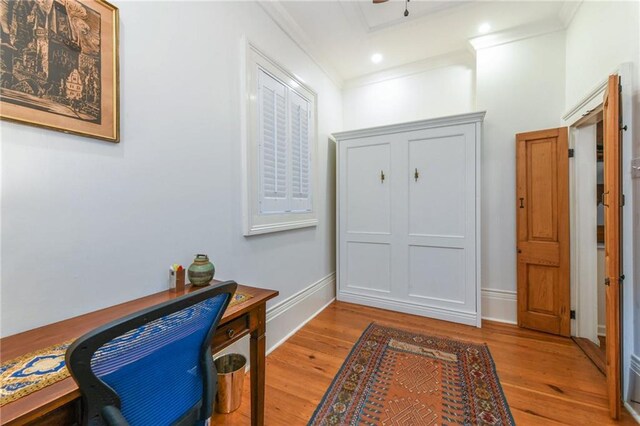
{"x": 201, "y": 271}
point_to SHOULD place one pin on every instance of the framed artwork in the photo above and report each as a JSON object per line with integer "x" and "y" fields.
{"x": 59, "y": 66}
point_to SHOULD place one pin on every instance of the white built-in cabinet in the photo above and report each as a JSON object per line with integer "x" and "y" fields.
{"x": 409, "y": 217}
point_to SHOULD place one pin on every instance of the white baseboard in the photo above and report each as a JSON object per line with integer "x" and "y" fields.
{"x": 500, "y": 305}
{"x": 634, "y": 388}
{"x": 602, "y": 330}
{"x": 634, "y": 413}
{"x": 288, "y": 316}
{"x": 468, "y": 318}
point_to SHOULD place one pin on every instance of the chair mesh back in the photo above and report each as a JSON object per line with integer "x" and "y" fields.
{"x": 155, "y": 369}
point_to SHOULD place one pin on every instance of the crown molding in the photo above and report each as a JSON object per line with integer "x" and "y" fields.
{"x": 472, "y": 117}
{"x": 522, "y": 32}
{"x": 460, "y": 57}
{"x": 290, "y": 27}
{"x": 445, "y": 7}
{"x": 568, "y": 11}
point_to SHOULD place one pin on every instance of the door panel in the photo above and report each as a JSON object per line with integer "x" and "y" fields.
{"x": 430, "y": 267}
{"x": 542, "y": 185}
{"x": 441, "y": 217}
{"x": 368, "y": 266}
{"x": 612, "y": 200}
{"x": 542, "y": 297}
{"x": 368, "y": 194}
{"x": 437, "y": 195}
{"x": 543, "y": 230}
{"x": 366, "y": 220}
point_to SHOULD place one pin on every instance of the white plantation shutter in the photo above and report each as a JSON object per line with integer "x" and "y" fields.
{"x": 300, "y": 152}
{"x": 280, "y": 155}
{"x": 272, "y": 113}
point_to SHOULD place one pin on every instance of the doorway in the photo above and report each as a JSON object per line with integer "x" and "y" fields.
{"x": 589, "y": 269}
{"x": 549, "y": 216}
{"x": 586, "y": 285}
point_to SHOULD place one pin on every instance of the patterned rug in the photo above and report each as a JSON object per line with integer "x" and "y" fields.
{"x": 396, "y": 377}
{"x": 26, "y": 374}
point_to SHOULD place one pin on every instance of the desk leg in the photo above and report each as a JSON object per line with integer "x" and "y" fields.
{"x": 258, "y": 350}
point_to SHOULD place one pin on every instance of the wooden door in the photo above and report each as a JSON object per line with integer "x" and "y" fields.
{"x": 612, "y": 200}
{"x": 542, "y": 204}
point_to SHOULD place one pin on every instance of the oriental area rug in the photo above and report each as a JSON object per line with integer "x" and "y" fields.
{"x": 28, "y": 373}
{"x": 395, "y": 377}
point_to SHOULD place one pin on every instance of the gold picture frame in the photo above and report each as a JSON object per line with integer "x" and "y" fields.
{"x": 59, "y": 66}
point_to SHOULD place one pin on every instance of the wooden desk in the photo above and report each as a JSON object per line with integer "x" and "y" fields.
{"x": 59, "y": 404}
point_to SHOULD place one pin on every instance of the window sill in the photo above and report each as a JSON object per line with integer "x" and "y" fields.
{"x": 281, "y": 226}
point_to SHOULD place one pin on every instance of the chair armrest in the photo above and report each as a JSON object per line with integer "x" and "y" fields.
{"x": 113, "y": 417}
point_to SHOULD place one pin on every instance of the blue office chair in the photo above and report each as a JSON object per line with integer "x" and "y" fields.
{"x": 153, "y": 367}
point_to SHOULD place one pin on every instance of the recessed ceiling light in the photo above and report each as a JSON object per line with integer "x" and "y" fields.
{"x": 376, "y": 58}
{"x": 484, "y": 28}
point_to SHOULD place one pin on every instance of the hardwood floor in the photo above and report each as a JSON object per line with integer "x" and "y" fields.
{"x": 547, "y": 379}
{"x": 595, "y": 353}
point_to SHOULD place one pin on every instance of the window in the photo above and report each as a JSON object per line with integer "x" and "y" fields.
{"x": 280, "y": 147}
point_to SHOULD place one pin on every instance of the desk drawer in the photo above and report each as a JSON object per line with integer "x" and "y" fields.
{"x": 230, "y": 332}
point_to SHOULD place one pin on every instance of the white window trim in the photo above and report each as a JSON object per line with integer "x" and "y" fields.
{"x": 255, "y": 223}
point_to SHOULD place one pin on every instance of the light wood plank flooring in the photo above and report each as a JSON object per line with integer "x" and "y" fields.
{"x": 547, "y": 379}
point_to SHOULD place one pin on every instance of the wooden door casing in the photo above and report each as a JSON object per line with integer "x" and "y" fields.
{"x": 542, "y": 205}
{"x": 612, "y": 200}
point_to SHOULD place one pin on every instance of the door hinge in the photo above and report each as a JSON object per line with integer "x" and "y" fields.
{"x": 572, "y": 314}
{"x": 621, "y": 278}
{"x": 623, "y": 200}
{"x": 571, "y": 152}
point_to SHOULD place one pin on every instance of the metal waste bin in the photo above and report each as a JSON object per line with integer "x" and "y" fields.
{"x": 231, "y": 370}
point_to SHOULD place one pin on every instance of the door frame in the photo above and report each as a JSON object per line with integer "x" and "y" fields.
{"x": 583, "y": 236}
{"x": 572, "y": 118}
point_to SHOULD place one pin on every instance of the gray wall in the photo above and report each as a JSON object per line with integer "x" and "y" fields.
{"x": 87, "y": 224}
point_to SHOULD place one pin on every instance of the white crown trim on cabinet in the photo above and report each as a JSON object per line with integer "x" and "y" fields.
{"x": 473, "y": 117}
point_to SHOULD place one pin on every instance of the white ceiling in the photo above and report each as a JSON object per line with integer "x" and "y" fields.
{"x": 342, "y": 35}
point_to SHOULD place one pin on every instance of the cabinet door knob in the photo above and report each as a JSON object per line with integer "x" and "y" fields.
{"x": 230, "y": 333}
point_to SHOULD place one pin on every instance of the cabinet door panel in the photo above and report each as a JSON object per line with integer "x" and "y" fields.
{"x": 368, "y": 195}
{"x": 437, "y": 273}
{"x": 368, "y": 266}
{"x": 441, "y": 218}
{"x": 437, "y": 191}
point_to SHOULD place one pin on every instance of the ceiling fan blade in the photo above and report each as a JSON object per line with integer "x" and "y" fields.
{"x": 379, "y": 1}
